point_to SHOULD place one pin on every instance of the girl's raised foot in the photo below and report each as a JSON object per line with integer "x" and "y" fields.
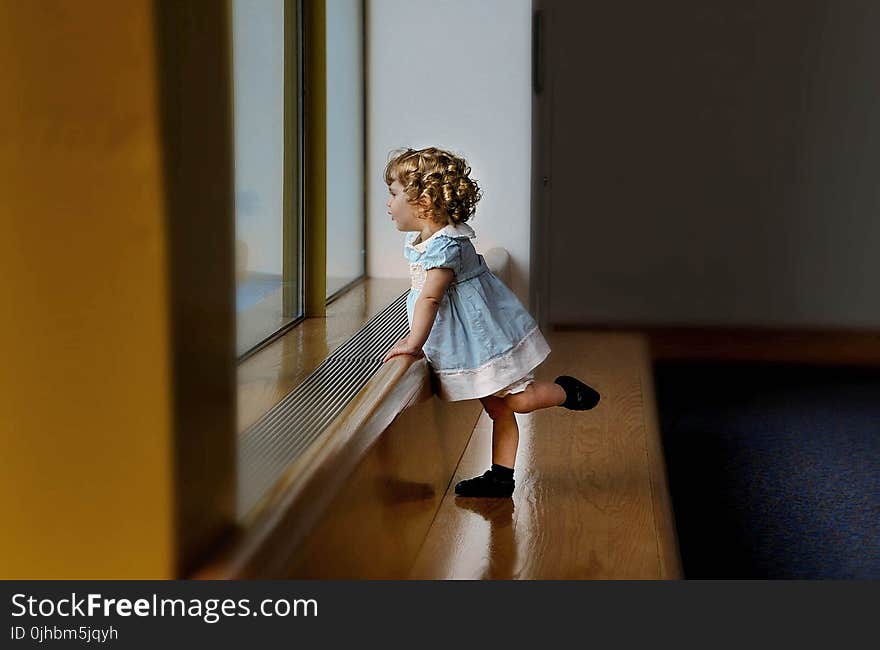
{"x": 578, "y": 396}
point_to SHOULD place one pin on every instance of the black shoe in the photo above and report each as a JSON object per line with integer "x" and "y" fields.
{"x": 487, "y": 485}
{"x": 578, "y": 396}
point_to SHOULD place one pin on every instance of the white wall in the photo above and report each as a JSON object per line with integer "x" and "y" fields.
{"x": 455, "y": 74}
{"x": 719, "y": 168}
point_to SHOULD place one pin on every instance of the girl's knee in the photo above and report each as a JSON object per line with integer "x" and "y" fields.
{"x": 496, "y": 406}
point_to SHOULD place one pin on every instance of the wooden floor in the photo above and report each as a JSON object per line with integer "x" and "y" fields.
{"x": 591, "y": 498}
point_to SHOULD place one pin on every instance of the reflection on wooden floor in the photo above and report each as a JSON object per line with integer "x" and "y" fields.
{"x": 378, "y": 521}
{"x": 590, "y": 499}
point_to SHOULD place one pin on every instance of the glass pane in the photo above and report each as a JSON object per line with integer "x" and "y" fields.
{"x": 345, "y": 143}
{"x": 259, "y": 93}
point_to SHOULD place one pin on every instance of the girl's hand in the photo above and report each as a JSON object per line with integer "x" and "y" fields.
{"x": 403, "y": 346}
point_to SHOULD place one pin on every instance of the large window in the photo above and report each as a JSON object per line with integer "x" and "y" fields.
{"x": 268, "y": 215}
{"x": 271, "y": 240}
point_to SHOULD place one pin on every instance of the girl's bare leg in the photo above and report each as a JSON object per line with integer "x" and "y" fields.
{"x": 505, "y": 432}
{"x": 537, "y": 395}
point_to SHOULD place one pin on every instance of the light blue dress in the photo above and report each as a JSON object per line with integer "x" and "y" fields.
{"x": 483, "y": 341}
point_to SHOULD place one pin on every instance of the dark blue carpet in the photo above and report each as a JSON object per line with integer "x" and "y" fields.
{"x": 774, "y": 470}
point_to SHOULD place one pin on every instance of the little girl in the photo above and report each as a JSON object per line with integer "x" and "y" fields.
{"x": 478, "y": 338}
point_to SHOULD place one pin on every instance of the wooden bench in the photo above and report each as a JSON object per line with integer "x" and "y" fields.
{"x": 591, "y": 499}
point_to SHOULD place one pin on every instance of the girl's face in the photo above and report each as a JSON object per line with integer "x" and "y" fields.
{"x": 404, "y": 214}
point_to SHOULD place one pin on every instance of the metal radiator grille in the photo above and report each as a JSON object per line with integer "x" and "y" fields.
{"x": 267, "y": 447}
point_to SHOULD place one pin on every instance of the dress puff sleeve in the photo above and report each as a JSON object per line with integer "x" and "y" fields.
{"x": 442, "y": 253}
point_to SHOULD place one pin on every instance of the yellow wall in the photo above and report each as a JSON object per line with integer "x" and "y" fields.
{"x": 85, "y": 444}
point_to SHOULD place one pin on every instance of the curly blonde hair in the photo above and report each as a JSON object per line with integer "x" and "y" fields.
{"x": 438, "y": 175}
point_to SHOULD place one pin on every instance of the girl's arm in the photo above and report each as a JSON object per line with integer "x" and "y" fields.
{"x": 437, "y": 281}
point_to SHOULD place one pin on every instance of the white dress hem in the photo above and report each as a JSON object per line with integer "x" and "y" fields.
{"x": 496, "y": 374}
